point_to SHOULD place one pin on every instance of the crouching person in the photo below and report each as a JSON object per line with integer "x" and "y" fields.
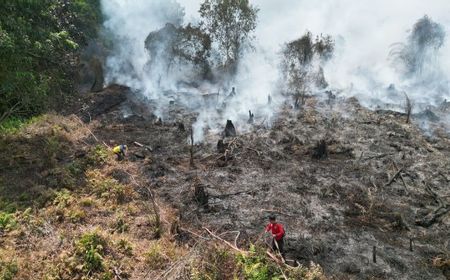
{"x": 120, "y": 151}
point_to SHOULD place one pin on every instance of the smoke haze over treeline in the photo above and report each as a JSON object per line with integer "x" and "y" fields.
{"x": 375, "y": 43}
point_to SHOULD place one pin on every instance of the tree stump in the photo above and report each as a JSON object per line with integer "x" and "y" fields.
{"x": 201, "y": 196}
{"x": 230, "y": 130}
{"x": 221, "y": 146}
{"x": 251, "y": 117}
{"x": 320, "y": 151}
{"x": 181, "y": 127}
{"x": 159, "y": 121}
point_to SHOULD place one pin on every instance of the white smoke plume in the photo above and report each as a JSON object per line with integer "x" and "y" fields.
{"x": 364, "y": 31}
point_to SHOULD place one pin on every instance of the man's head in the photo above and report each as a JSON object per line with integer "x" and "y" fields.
{"x": 272, "y": 219}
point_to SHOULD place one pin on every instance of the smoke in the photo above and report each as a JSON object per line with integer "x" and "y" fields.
{"x": 366, "y": 32}
{"x": 127, "y": 25}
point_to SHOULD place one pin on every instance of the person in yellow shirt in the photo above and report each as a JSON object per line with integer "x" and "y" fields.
{"x": 120, "y": 151}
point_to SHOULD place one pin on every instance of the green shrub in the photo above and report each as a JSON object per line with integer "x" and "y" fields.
{"x": 125, "y": 247}
{"x": 76, "y": 215}
{"x": 255, "y": 265}
{"x": 107, "y": 187}
{"x": 63, "y": 198}
{"x": 7, "y": 221}
{"x": 13, "y": 124}
{"x": 97, "y": 156}
{"x": 313, "y": 272}
{"x": 154, "y": 257}
{"x": 121, "y": 226}
{"x": 8, "y": 270}
{"x": 90, "y": 248}
{"x": 75, "y": 168}
{"x": 87, "y": 202}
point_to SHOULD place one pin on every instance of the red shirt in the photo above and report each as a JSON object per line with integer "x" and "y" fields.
{"x": 276, "y": 229}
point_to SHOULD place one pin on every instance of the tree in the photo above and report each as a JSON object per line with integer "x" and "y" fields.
{"x": 425, "y": 39}
{"x": 297, "y": 64}
{"x": 173, "y": 47}
{"x": 38, "y": 49}
{"x": 230, "y": 24}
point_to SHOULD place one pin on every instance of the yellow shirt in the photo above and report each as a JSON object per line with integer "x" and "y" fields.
{"x": 117, "y": 149}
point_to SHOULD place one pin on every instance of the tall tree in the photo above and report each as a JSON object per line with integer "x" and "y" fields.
{"x": 230, "y": 24}
{"x": 297, "y": 64}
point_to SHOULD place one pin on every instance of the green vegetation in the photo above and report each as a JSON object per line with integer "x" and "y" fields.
{"x": 125, "y": 247}
{"x": 255, "y": 265}
{"x": 90, "y": 248}
{"x": 7, "y": 221}
{"x": 38, "y": 44}
{"x": 108, "y": 188}
{"x": 97, "y": 156}
{"x": 155, "y": 258}
{"x": 8, "y": 270}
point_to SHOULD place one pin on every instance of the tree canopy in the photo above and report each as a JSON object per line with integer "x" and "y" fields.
{"x": 38, "y": 44}
{"x": 297, "y": 63}
{"x": 230, "y": 24}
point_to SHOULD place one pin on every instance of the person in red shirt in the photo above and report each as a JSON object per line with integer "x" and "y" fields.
{"x": 278, "y": 233}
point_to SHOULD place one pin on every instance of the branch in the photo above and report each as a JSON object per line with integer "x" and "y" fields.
{"x": 90, "y": 132}
{"x": 401, "y": 177}
{"x": 394, "y": 177}
{"x": 226, "y": 242}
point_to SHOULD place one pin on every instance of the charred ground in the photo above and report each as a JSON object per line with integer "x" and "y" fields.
{"x": 383, "y": 183}
{"x": 341, "y": 178}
